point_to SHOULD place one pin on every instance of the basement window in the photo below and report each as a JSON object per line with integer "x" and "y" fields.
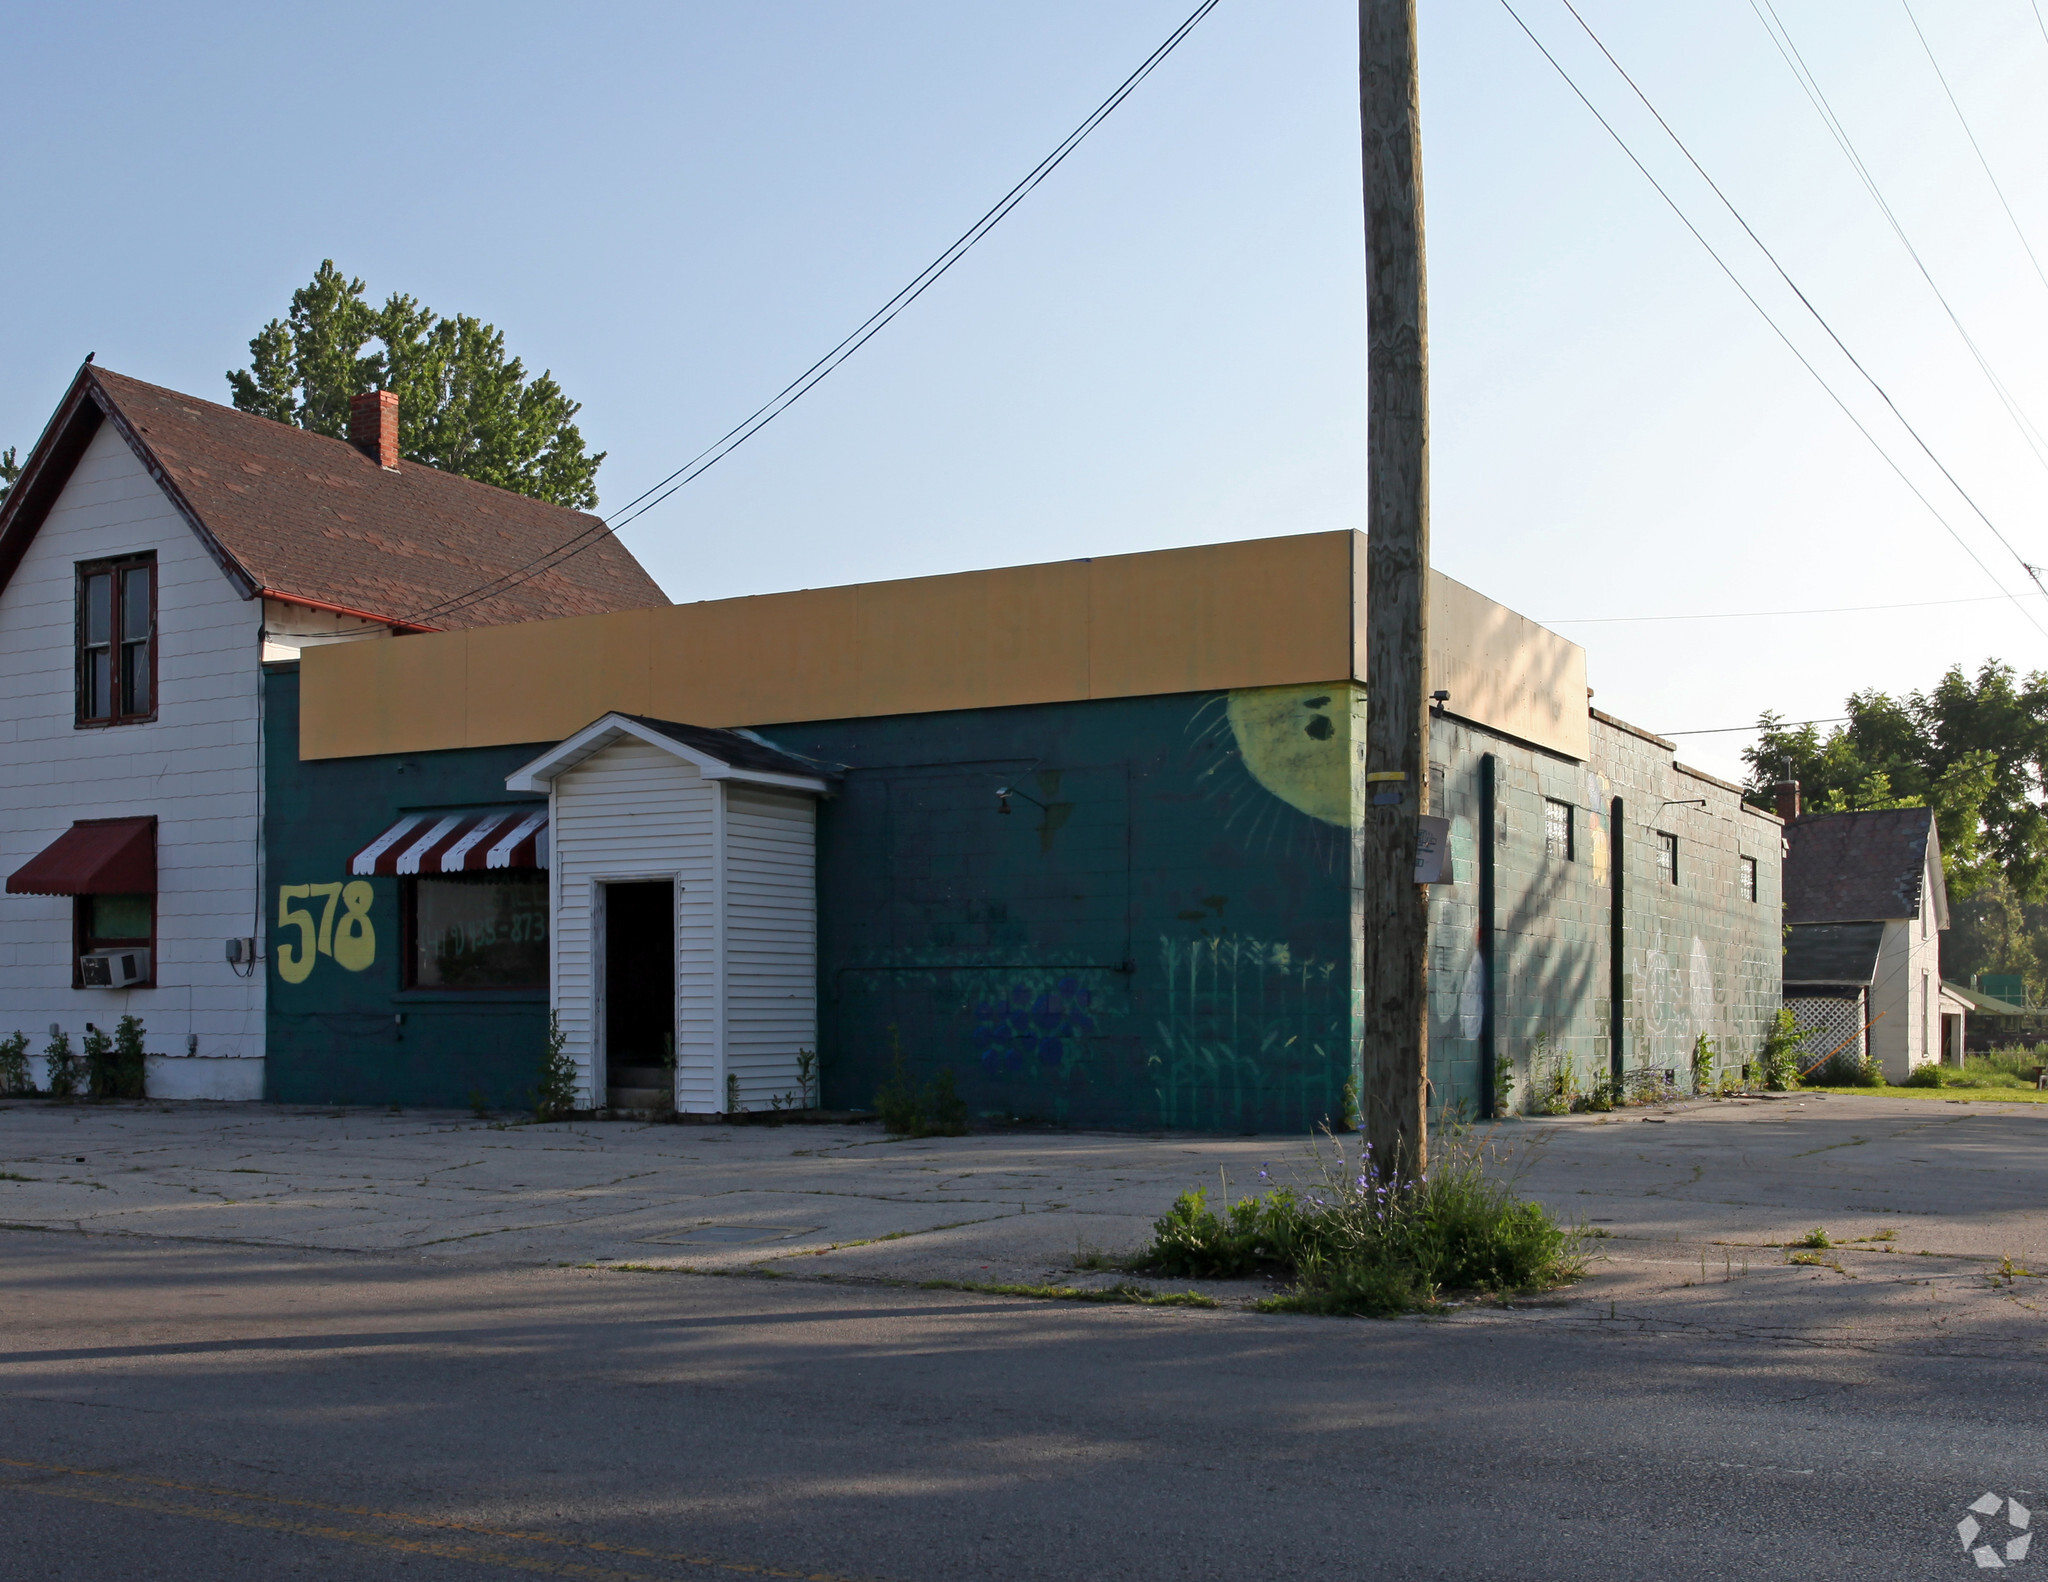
{"x": 1557, "y": 828}
{"x": 1748, "y": 878}
{"x": 1667, "y": 857}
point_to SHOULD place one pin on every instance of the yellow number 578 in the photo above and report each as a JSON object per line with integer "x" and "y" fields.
{"x": 352, "y": 941}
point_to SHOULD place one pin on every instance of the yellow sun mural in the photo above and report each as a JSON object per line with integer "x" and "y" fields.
{"x": 1302, "y": 744}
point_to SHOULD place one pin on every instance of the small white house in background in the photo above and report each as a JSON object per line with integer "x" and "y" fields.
{"x": 1866, "y": 904}
{"x": 154, "y": 551}
{"x": 685, "y": 912}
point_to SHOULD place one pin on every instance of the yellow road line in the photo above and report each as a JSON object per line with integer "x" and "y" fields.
{"x": 351, "y": 1535}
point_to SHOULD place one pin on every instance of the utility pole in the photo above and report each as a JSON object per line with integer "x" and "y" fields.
{"x": 1395, "y": 912}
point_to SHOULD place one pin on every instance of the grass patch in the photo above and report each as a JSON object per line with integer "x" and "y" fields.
{"x": 1813, "y": 1258}
{"x": 1949, "y": 1091}
{"x": 1355, "y": 1242}
{"x": 1134, "y": 1295}
{"x": 1814, "y": 1238}
{"x": 9, "y": 1175}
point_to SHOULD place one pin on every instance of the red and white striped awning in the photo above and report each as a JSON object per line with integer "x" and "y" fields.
{"x": 473, "y": 841}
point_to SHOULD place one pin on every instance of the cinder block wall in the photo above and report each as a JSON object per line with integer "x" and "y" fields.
{"x": 1697, "y": 956}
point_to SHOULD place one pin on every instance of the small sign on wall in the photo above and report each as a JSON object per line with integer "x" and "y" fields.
{"x": 1432, "y": 850}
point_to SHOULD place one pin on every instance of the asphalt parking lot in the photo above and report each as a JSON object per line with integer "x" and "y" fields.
{"x": 252, "y": 1341}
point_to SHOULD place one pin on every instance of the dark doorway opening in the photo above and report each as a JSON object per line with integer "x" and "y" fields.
{"x": 640, "y": 995}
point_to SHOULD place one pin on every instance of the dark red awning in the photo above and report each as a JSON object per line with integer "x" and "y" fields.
{"x": 96, "y": 856}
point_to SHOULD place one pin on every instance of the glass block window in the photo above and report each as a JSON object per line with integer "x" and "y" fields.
{"x": 1557, "y": 828}
{"x": 1748, "y": 878}
{"x": 1667, "y": 857}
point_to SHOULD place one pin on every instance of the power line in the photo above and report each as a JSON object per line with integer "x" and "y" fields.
{"x": 1972, "y": 136}
{"x": 1750, "y": 297}
{"x": 1788, "y": 51}
{"x": 1752, "y": 615}
{"x": 1729, "y": 730}
{"x": 2034, "y": 572}
{"x": 809, "y": 379}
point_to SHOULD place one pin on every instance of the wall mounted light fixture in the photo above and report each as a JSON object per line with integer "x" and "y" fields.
{"x": 1004, "y": 793}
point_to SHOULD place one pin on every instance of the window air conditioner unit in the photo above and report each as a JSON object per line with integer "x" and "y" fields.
{"x": 113, "y": 969}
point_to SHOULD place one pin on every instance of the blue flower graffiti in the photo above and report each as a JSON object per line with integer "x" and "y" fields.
{"x": 1040, "y": 1025}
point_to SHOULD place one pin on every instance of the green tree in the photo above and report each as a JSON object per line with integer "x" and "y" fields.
{"x": 10, "y": 469}
{"x": 1972, "y": 749}
{"x": 463, "y": 405}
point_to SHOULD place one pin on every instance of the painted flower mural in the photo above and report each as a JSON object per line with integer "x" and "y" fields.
{"x": 1039, "y": 1025}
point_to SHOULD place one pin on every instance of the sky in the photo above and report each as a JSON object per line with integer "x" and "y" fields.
{"x": 676, "y": 208}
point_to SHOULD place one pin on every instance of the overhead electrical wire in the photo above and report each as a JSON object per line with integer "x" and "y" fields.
{"x": 1954, "y": 105}
{"x": 1730, "y": 730}
{"x": 1749, "y": 296}
{"x": 1788, "y": 51}
{"x": 1752, "y": 615}
{"x": 2032, "y": 571}
{"x": 809, "y": 379}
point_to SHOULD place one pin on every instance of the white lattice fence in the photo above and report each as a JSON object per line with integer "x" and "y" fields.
{"x": 1829, "y": 1022}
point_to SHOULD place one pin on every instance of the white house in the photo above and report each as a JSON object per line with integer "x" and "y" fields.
{"x": 685, "y": 912}
{"x": 1866, "y": 902}
{"x": 155, "y": 550}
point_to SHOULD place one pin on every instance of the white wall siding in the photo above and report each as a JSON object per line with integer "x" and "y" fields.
{"x": 636, "y": 812}
{"x": 195, "y": 767}
{"x": 771, "y": 941}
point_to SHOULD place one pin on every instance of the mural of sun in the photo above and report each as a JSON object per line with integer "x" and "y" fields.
{"x": 1302, "y": 744}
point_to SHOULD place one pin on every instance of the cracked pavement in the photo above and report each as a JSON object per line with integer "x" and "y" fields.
{"x": 1693, "y": 1209}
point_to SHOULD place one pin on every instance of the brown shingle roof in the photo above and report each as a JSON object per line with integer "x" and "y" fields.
{"x": 299, "y": 516}
{"x": 1861, "y": 867}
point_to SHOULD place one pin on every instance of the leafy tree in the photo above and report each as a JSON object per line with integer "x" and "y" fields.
{"x": 463, "y": 406}
{"x": 10, "y": 469}
{"x": 1972, "y": 749}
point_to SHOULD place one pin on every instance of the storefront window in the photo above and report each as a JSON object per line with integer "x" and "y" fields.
{"x": 478, "y": 931}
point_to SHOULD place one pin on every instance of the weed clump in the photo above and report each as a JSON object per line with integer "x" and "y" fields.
{"x": 63, "y": 1069}
{"x": 14, "y": 1066}
{"x": 1777, "y": 1063}
{"x": 934, "y": 1110}
{"x": 1360, "y": 1241}
{"x": 554, "y": 1098}
{"x": 115, "y": 1068}
{"x": 1845, "y": 1069}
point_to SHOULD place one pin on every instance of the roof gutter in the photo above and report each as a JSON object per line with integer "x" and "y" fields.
{"x": 392, "y": 621}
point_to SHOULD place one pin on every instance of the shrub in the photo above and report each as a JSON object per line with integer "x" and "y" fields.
{"x": 555, "y": 1097}
{"x": 62, "y": 1069}
{"x": 1358, "y": 1242}
{"x": 1844, "y": 1069}
{"x": 1703, "y": 1058}
{"x": 14, "y": 1066}
{"x": 117, "y": 1067}
{"x": 1928, "y": 1076}
{"x": 934, "y": 1110}
{"x": 1778, "y": 1061}
{"x": 97, "y": 1050}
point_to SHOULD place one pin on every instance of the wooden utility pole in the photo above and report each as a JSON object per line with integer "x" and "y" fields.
{"x": 1395, "y": 908}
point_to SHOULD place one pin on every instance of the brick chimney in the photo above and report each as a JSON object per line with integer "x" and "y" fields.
{"x": 1788, "y": 799}
{"x": 373, "y": 426}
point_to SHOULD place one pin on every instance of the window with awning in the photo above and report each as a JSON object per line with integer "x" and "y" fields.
{"x": 96, "y": 856}
{"x": 474, "y": 840}
{"x": 108, "y": 867}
